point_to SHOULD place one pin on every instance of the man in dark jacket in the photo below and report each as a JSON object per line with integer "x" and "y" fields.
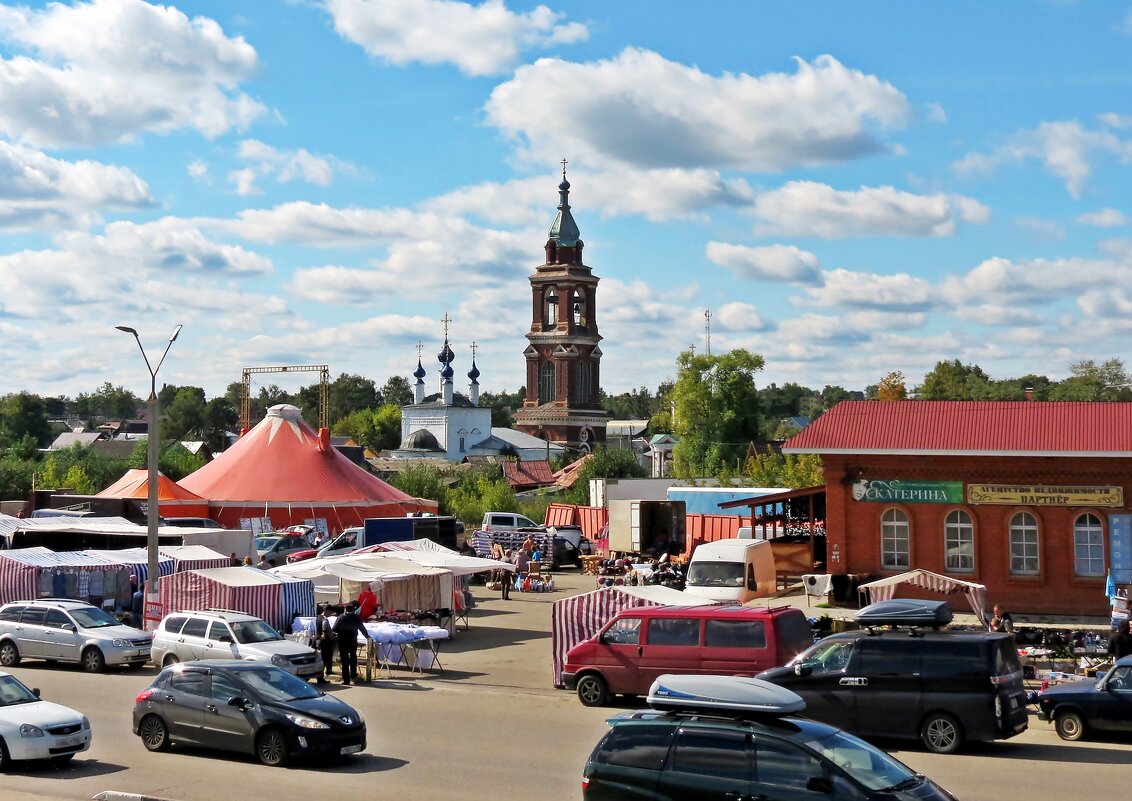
{"x": 326, "y": 639}
{"x": 347, "y": 627}
{"x": 1121, "y": 642}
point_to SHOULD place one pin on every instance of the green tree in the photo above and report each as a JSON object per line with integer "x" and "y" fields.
{"x": 951, "y": 380}
{"x": 16, "y": 475}
{"x": 396, "y": 390}
{"x": 23, "y": 415}
{"x": 603, "y": 463}
{"x": 426, "y": 481}
{"x": 503, "y": 405}
{"x": 220, "y": 417}
{"x": 1089, "y": 381}
{"x": 377, "y": 429}
{"x": 183, "y": 417}
{"x": 716, "y": 410}
{"x": 480, "y": 492}
{"x": 108, "y": 403}
{"x": 771, "y": 468}
{"x": 176, "y": 462}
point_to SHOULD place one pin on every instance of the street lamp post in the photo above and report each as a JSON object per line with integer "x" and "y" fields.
{"x": 152, "y": 577}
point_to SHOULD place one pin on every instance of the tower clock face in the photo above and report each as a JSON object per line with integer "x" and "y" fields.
{"x": 584, "y": 435}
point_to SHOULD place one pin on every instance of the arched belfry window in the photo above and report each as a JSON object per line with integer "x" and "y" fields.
{"x": 583, "y": 386}
{"x": 546, "y": 382}
{"x": 550, "y": 312}
{"x": 578, "y": 308}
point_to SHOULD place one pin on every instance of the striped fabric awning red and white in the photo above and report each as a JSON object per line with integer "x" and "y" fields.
{"x": 885, "y": 589}
{"x": 574, "y": 620}
{"x": 18, "y": 580}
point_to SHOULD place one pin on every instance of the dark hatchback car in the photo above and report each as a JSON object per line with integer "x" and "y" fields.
{"x": 248, "y": 708}
{"x": 1078, "y": 707}
{"x": 680, "y": 756}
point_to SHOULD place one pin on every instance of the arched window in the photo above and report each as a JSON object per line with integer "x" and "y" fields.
{"x": 583, "y": 384}
{"x": 959, "y": 542}
{"x": 546, "y": 382}
{"x": 1088, "y": 546}
{"x": 1024, "y": 545}
{"x": 894, "y": 539}
{"x": 578, "y": 308}
{"x": 550, "y": 312}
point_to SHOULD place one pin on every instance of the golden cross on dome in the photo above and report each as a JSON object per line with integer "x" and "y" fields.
{"x": 446, "y": 320}
{"x": 564, "y": 163}
{"x": 473, "y": 350}
{"x": 420, "y": 349}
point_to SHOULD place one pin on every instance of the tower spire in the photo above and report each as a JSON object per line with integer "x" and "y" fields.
{"x": 564, "y": 230}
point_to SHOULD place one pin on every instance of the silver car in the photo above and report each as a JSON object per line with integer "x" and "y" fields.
{"x": 217, "y": 634}
{"x": 63, "y": 630}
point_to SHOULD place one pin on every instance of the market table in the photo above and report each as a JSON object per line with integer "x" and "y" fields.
{"x": 406, "y": 642}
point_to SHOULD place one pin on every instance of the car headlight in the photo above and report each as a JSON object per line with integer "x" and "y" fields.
{"x": 280, "y": 660}
{"x": 86, "y": 723}
{"x": 306, "y": 723}
{"x": 28, "y": 730}
{"x": 120, "y": 643}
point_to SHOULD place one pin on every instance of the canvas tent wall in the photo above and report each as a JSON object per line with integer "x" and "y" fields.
{"x": 243, "y": 589}
{"x": 195, "y": 557}
{"x": 78, "y": 533}
{"x": 29, "y": 573}
{"x": 283, "y": 470}
{"x": 885, "y": 588}
{"x": 136, "y": 560}
{"x": 576, "y": 619}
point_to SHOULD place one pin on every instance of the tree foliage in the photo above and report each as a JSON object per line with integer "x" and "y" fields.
{"x": 891, "y": 387}
{"x": 716, "y": 412}
{"x": 23, "y": 415}
{"x": 771, "y": 468}
{"x": 602, "y": 463}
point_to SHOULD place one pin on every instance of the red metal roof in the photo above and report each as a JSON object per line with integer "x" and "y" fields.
{"x": 527, "y": 475}
{"x": 983, "y": 428}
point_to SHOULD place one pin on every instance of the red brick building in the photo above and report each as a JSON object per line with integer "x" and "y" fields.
{"x": 1019, "y": 496}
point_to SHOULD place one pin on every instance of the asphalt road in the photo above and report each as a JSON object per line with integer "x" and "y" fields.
{"x": 489, "y": 727}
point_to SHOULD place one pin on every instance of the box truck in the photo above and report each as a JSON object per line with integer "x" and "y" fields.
{"x": 647, "y": 527}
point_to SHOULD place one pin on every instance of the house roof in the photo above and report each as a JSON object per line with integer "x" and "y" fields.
{"x": 527, "y": 475}
{"x": 625, "y": 428}
{"x": 568, "y": 475}
{"x": 969, "y": 428}
{"x": 69, "y": 438}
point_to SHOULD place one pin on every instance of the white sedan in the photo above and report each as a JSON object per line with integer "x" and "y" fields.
{"x": 31, "y": 728}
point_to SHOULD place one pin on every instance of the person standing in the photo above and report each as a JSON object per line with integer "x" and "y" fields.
{"x": 505, "y": 580}
{"x": 1002, "y": 621}
{"x": 326, "y": 639}
{"x": 347, "y": 627}
{"x": 1121, "y": 642}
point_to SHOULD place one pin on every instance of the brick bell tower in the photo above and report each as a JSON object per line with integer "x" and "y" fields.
{"x": 562, "y": 403}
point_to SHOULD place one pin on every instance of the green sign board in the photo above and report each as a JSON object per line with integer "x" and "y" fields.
{"x": 897, "y": 491}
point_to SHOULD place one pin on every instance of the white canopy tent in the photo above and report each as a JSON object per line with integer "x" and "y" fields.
{"x": 885, "y": 588}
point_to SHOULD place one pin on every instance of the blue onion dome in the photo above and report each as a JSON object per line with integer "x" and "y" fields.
{"x": 419, "y": 373}
{"x": 446, "y": 355}
{"x": 447, "y": 372}
{"x": 565, "y": 185}
{"x": 474, "y": 373}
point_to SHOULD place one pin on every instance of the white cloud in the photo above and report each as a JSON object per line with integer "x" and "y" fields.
{"x": 658, "y": 195}
{"x": 1064, "y": 148}
{"x": 1045, "y": 229}
{"x": 112, "y": 69}
{"x": 770, "y": 263}
{"x": 244, "y": 180}
{"x": 997, "y": 315}
{"x": 480, "y": 39}
{"x": 41, "y": 192}
{"x": 641, "y": 110}
{"x": 1116, "y": 120}
{"x": 1106, "y": 304}
{"x": 855, "y": 290}
{"x": 197, "y": 169}
{"x": 739, "y": 317}
{"x": 936, "y": 113}
{"x": 806, "y": 208}
{"x": 1104, "y": 218}
{"x": 283, "y": 165}
{"x": 1038, "y": 282}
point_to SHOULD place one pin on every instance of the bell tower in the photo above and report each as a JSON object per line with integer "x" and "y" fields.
{"x": 562, "y": 403}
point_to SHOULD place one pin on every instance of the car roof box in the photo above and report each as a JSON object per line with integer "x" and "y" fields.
{"x": 723, "y": 694}
{"x": 905, "y": 612}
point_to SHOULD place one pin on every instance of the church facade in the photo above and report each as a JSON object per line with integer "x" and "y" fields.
{"x": 562, "y": 403}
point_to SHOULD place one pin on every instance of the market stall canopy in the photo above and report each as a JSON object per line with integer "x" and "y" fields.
{"x": 173, "y": 500}
{"x": 357, "y": 567}
{"x": 576, "y": 619}
{"x": 283, "y": 470}
{"x": 885, "y": 588}
{"x": 275, "y": 599}
{"x": 459, "y": 564}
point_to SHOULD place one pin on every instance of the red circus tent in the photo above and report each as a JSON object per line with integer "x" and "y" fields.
{"x": 172, "y": 499}
{"x": 283, "y": 470}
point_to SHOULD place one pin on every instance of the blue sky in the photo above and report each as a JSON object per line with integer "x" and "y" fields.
{"x": 851, "y": 188}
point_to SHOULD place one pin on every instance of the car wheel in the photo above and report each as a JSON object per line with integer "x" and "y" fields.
{"x": 592, "y": 690}
{"x": 9, "y": 654}
{"x": 170, "y": 659}
{"x": 271, "y": 747}
{"x": 93, "y": 661}
{"x": 1070, "y": 726}
{"x": 154, "y": 733}
{"x": 5, "y": 757}
{"x": 941, "y": 733}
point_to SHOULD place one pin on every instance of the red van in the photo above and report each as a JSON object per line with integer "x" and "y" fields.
{"x": 639, "y": 644}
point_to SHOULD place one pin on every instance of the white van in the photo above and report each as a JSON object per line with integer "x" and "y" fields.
{"x": 732, "y": 571}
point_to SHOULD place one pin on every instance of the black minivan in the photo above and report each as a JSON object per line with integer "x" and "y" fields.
{"x": 940, "y": 687}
